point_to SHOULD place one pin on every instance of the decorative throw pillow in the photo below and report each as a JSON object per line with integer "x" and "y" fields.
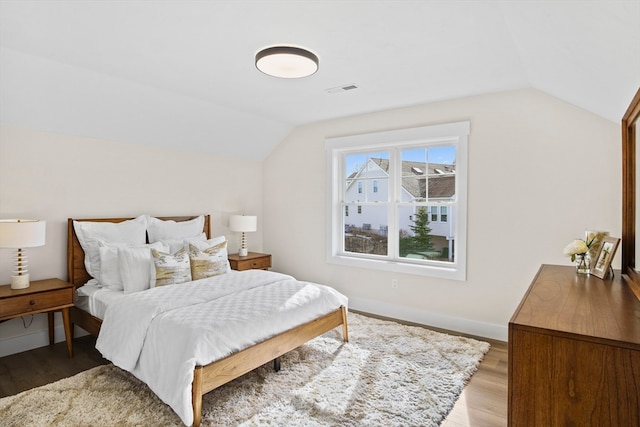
{"x": 171, "y": 268}
{"x": 171, "y": 230}
{"x": 89, "y": 233}
{"x": 209, "y": 262}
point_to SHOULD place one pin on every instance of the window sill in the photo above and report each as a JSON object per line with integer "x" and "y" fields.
{"x": 442, "y": 272}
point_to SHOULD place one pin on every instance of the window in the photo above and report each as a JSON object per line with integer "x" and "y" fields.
{"x": 434, "y": 213}
{"x": 412, "y": 183}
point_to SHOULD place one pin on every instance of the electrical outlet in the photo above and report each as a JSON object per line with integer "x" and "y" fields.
{"x": 394, "y": 283}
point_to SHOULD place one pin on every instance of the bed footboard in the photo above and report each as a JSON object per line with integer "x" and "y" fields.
{"x": 213, "y": 375}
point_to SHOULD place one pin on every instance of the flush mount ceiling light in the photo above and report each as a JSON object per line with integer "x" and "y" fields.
{"x": 287, "y": 62}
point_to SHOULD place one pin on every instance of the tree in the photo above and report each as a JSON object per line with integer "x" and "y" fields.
{"x": 421, "y": 239}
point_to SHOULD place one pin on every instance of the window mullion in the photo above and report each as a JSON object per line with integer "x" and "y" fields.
{"x": 394, "y": 198}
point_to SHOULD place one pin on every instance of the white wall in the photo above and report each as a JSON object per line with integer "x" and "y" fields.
{"x": 54, "y": 177}
{"x": 541, "y": 168}
{"x": 541, "y": 171}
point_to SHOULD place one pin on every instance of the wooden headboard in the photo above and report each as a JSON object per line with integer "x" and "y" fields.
{"x": 75, "y": 255}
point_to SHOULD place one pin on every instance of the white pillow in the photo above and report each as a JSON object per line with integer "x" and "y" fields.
{"x": 171, "y": 230}
{"x": 110, "y": 275}
{"x": 137, "y": 270}
{"x": 203, "y": 244}
{"x": 89, "y": 233}
{"x": 109, "y": 267}
{"x": 177, "y": 244}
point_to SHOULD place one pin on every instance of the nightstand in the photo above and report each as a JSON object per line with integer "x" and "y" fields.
{"x": 42, "y": 296}
{"x": 253, "y": 260}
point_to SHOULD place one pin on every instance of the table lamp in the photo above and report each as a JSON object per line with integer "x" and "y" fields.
{"x": 243, "y": 224}
{"x": 19, "y": 234}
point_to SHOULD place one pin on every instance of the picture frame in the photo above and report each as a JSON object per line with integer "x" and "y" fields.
{"x": 602, "y": 262}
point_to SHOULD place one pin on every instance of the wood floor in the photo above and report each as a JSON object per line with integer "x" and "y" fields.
{"x": 44, "y": 365}
{"x": 482, "y": 403}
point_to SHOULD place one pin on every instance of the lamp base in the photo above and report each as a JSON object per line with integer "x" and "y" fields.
{"x": 243, "y": 252}
{"x": 20, "y": 282}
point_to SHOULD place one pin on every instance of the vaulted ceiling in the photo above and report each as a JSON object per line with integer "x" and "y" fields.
{"x": 181, "y": 73}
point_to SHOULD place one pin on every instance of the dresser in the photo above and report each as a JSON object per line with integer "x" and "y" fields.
{"x": 574, "y": 352}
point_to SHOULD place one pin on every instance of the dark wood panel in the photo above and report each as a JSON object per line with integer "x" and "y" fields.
{"x": 530, "y": 400}
{"x": 629, "y": 194}
{"x": 594, "y": 385}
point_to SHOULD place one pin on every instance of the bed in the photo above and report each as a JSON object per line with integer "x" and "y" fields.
{"x": 207, "y": 376}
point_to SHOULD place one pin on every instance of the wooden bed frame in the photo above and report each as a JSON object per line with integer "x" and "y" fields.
{"x": 213, "y": 375}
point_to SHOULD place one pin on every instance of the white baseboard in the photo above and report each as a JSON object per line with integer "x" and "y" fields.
{"x": 427, "y": 318}
{"x": 35, "y": 339}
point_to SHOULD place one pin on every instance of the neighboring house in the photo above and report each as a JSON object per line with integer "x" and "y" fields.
{"x": 370, "y": 184}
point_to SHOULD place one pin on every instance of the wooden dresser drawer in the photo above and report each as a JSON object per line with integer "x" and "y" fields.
{"x": 35, "y": 303}
{"x": 257, "y": 264}
{"x": 254, "y": 261}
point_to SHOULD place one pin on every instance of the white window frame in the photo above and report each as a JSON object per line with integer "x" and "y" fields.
{"x": 450, "y": 134}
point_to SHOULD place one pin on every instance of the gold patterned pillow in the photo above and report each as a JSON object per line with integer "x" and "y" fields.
{"x": 171, "y": 268}
{"x": 208, "y": 262}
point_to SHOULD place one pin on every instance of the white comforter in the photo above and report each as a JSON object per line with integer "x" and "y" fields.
{"x": 161, "y": 334}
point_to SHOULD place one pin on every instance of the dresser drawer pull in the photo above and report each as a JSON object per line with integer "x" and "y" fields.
{"x": 255, "y": 264}
{"x": 32, "y": 302}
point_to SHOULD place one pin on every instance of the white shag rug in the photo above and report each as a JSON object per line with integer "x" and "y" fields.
{"x": 387, "y": 375}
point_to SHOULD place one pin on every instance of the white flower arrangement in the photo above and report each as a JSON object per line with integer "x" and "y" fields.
{"x": 579, "y": 246}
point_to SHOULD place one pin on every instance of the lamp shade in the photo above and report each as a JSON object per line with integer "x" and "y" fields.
{"x": 243, "y": 223}
{"x": 21, "y": 233}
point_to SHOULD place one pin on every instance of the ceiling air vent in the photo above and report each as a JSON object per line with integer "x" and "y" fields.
{"x": 342, "y": 88}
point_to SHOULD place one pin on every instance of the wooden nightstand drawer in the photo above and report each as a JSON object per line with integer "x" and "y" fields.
{"x": 42, "y": 296}
{"x": 35, "y": 303}
{"x": 253, "y": 261}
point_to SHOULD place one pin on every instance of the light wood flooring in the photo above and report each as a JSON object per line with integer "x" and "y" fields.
{"x": 482, "y": 403}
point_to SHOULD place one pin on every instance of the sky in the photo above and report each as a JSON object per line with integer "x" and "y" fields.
{"x": 441, "y": 154}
